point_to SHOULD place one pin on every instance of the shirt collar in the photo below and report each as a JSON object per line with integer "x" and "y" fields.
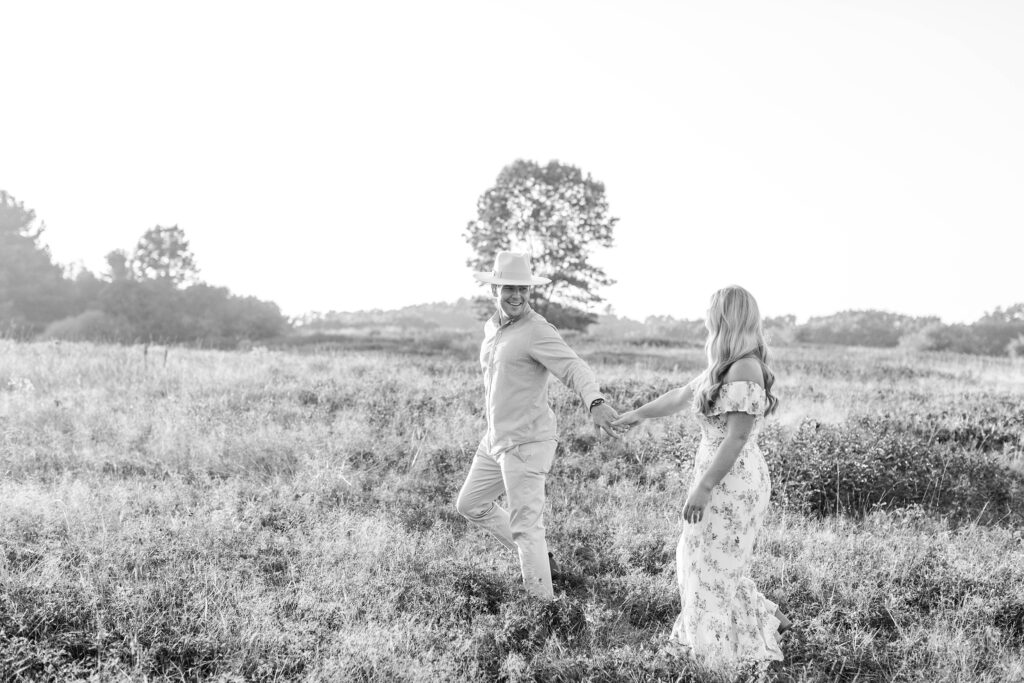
{"x": 502, "y": 320}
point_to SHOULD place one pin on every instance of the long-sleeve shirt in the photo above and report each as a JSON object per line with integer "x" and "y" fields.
{"x": 516, "y": 357}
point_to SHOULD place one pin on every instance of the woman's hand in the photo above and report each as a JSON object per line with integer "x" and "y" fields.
{"x": 693, "y": 509}
{"x": 627, "y": 421}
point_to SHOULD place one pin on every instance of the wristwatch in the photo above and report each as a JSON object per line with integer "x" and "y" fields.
{"x": 595, "y": 403}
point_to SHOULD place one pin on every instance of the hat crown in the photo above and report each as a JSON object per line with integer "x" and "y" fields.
{"x": 509, "y": 265}
{"x": 512, "y": 268}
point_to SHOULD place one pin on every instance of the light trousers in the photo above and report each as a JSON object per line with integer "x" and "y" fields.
{"x": 518, "y": 472}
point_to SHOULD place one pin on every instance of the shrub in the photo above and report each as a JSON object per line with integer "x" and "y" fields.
{"x": 200, "y": 314}
{"x": 872, "y": 462}
{"x": 860, "y": 328}
{"x": 1016, "y": 347}
{"x": 981, "y": 338}
{"x": 91, "y": 326}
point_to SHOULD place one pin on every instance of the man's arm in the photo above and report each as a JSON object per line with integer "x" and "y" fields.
{"x": 551, "y": 351}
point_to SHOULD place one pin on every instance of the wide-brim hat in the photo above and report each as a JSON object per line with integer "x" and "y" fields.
{"x": 511, "y": 268}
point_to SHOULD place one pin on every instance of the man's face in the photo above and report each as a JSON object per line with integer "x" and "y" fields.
{"x": 512, "y": 299}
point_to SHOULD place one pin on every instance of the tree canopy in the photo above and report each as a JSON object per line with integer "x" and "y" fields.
{"x": 153, "y": 295}
{"x": 33, "y": 290}
{"x": 163, "y": 254}
{"x": 558, "y": 215}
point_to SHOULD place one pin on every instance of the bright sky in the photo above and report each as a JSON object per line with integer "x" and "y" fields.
{"x": 327, "y": 155}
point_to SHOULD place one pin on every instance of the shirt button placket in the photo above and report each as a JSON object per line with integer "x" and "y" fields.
{"x": 490, "y": 382}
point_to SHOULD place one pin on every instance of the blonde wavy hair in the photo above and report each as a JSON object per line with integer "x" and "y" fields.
{"x": 734, "y": 332}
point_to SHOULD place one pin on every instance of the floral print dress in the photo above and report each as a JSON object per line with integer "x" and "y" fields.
{"x": 725, "y": 621}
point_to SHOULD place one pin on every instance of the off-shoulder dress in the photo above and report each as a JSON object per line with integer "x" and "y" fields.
{"x": 725, "y": 621}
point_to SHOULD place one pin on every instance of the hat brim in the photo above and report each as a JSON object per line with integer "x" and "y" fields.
{"x": 490, "y": 279}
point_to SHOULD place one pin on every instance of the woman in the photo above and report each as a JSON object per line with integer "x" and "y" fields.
{"x": 725, "y": 622}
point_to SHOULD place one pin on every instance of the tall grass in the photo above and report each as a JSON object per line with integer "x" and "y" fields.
{"x": 283, "y": 516}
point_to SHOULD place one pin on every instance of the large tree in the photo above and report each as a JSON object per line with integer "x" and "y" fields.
{"x": 162, "y": 254}
{"x": 558, "y": 215}
{"x": 33, "y": 290}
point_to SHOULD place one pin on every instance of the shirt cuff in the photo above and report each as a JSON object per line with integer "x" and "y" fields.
{"x": 590, "y": 397}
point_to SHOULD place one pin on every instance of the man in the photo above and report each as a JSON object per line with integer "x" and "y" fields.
{"x": 519, "y": 351}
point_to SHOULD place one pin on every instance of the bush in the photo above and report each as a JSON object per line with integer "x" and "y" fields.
{"x": 980, "y": 338}
{"x": 873, "y": 462}
{"x": 1016, "y": 347}
{"x": 208, "y": 316}
{"x": 860, "y": 328}
{"x": 91, "y": 326}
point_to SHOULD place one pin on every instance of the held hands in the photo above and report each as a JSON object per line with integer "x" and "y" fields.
{"x": 603, "y": 416}
{"x": 627, "y": 421}
{"x": 693, "y": 509}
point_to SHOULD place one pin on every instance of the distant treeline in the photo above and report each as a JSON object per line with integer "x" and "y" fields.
{"x": 998, "y": 333}
{"x": 150, "y": 295}
{"x": 154, "y": 294}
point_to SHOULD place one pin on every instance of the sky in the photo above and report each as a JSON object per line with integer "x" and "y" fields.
{"x": 825, "y": 155}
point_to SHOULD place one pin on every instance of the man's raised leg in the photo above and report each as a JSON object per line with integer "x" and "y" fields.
{"x": 476, "y": 501}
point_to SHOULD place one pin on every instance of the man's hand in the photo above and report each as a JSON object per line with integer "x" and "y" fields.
{"x": 603, "y": 416}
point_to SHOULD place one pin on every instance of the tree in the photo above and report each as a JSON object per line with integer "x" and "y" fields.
{"x": 33, "y": 290}
{"x": 119, "y": 266}
{"x": 152, "y": 309}
{"x": 861, "y": 328}
{"x": 85, "y": 289}
{"x": 1012, "y": 314}
{"x": 558, "y": 216}
{"x": 156, "y": 311}
{"x": 162, "y": 254}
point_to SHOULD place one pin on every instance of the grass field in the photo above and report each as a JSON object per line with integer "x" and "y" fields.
{"x": 277, "y": 516}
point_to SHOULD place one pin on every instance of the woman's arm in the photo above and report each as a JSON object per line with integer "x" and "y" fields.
{"x": 737, "y": 431}
{"x": 668, "y": 403}
{"x": 738, "y": 426}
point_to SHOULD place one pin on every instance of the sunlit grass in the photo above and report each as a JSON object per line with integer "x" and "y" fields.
{"x": 276, "y": 516}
